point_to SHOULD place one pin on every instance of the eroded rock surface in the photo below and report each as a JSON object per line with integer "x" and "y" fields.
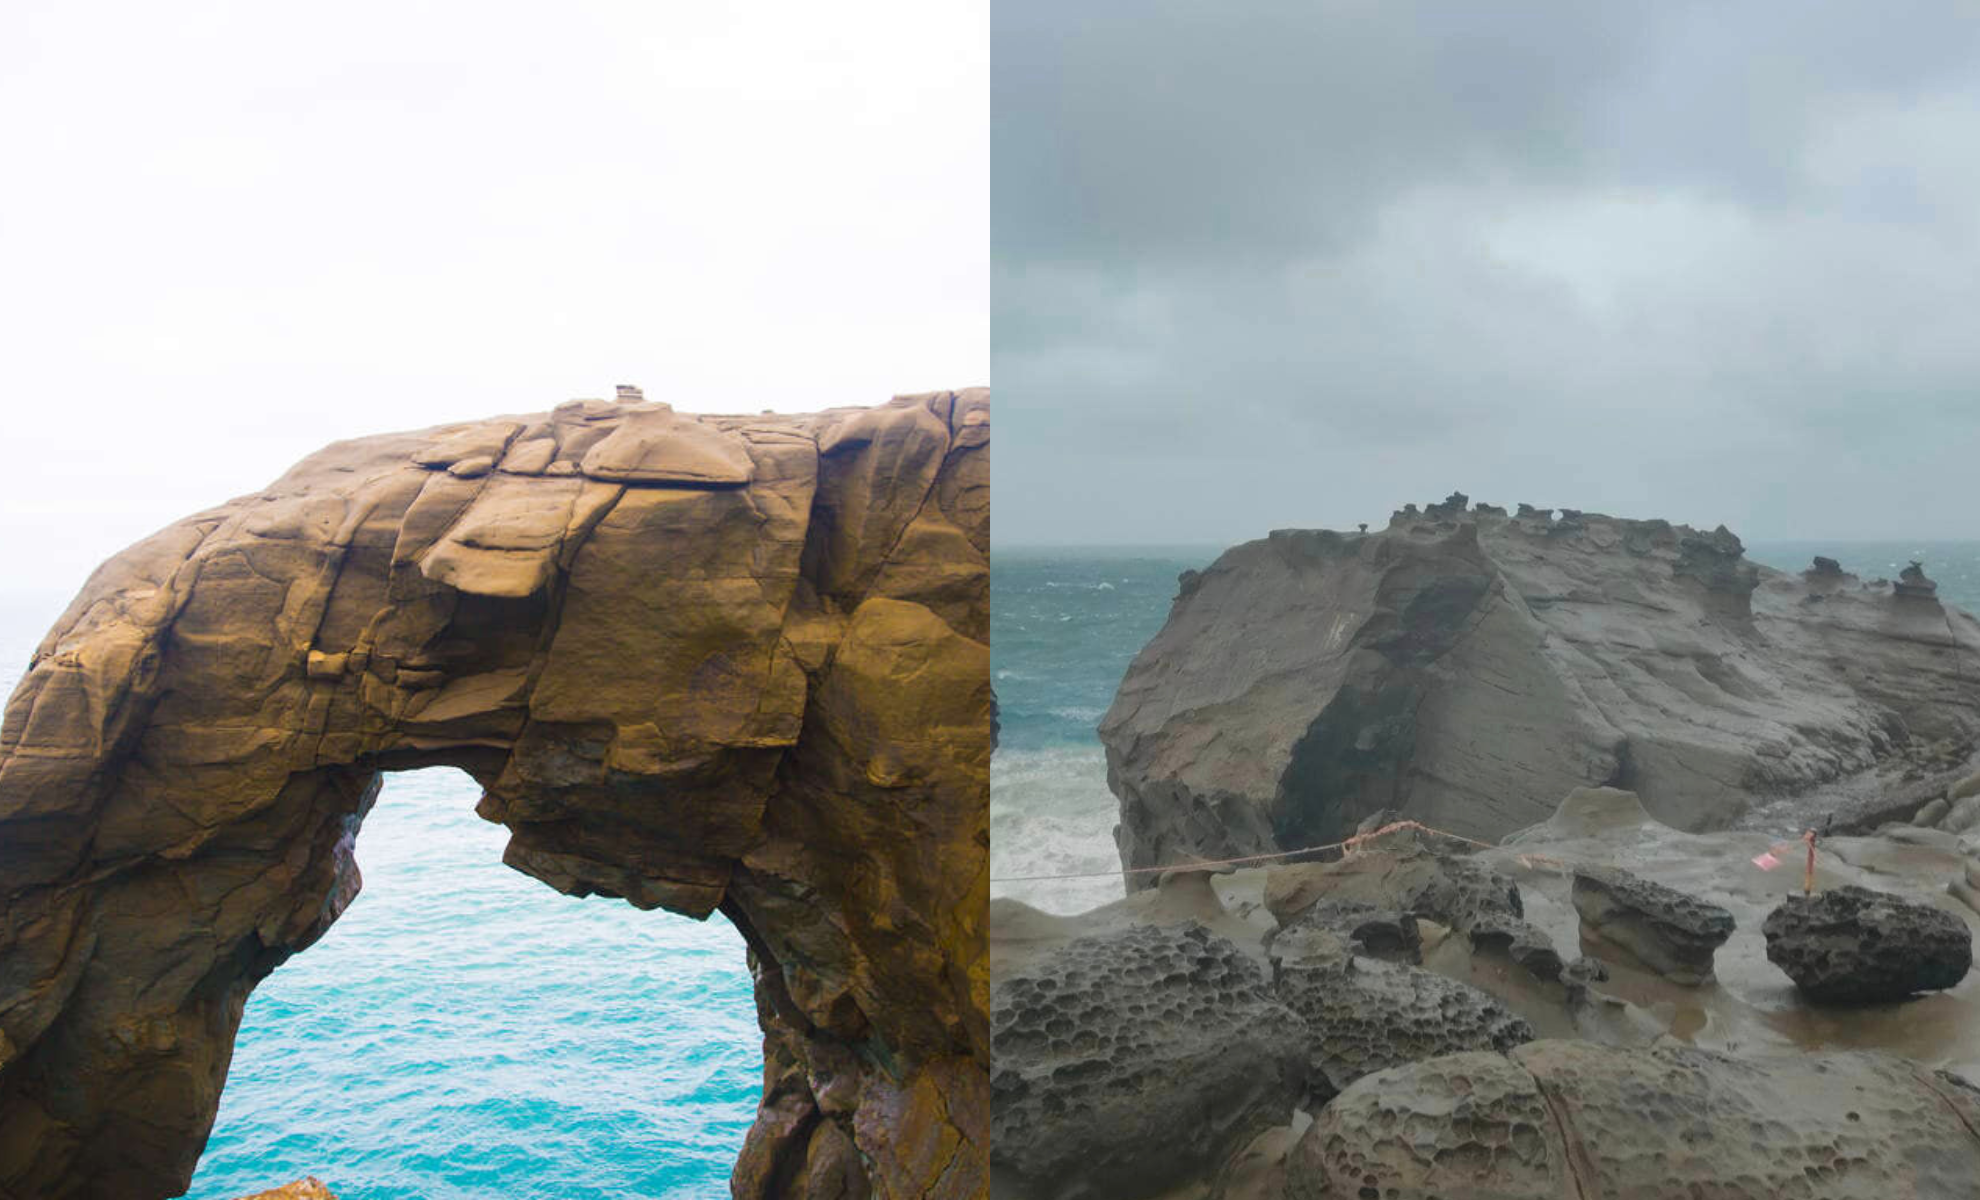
{"x": 1563, "y": 1118}
{"x": 1366, "y": 1015}
{"x": 1852, "y": 945}
{"x": 1662, "y": 928}
{"x": 697, "y": 662}
{"x": 1467, "y": 668}
{"x": 1131, "y": 1059}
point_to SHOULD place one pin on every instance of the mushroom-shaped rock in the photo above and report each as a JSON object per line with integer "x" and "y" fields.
{"x": 1673, "y": 934}
{"x": 1851, "y": 945}
{"x": 1124, "y": 1061}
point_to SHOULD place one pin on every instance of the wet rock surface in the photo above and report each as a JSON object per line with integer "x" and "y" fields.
{"x": 1366, "y": 1015}
{"x": 1560, "y": 1118}
{"x": 1127, "y": 1060}
{"x": 1852, "y": 945}
{"x": 1662, "y": 928}
{"x": 696, "y": 662}
{"x": 1467, "y": 668}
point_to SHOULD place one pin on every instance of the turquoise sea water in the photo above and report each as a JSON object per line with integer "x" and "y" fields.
{"x": 1065, "y": 623}
{"x": 463, "y": 1032}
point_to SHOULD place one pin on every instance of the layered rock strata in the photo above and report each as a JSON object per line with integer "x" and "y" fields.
{"x": 700, "y": 663}
{"x": 1466, "y": 668}
{"x": 1673, "y": 934}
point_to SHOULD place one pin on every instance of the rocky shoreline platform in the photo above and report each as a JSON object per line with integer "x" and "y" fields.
{"x": 1566, "y": 950}
{"x": 1526, "y": 1057}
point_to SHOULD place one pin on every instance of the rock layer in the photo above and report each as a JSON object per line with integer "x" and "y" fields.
{"x": 700, "y": 663}
{"x": 1673, "y": 934}
{"x": 1851, "y": 945}
{"x": 1468, "y": 668}
{"x": 1562, "y": 1118}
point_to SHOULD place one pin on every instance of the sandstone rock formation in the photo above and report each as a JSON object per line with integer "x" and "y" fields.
{"x": 1673, "y": 934}
{"x": 1127, "y": 1060}
{"x": 700, "y": 663}
{"x": 1468, "y": 668}
{"x": 1562, "y": 1118}
{"x": 1364, "y": 1016}
{"x": 1851, "y": 945}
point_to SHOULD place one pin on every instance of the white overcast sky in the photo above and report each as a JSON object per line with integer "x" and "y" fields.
{"x": 233, "y": 232}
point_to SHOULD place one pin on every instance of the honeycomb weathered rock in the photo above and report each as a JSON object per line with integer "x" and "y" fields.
{"x": 1851, "y": 945}
{"x": 1568, "y": 1118}
{"x": 1671, "y": 933}
{"x": 1126, "y": 1060}
{"x": 1364, "y": 1016}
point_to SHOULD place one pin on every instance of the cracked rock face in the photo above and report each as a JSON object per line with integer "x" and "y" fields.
{"x": 1466, "y": 668}
{"x": 1563, "y": 1118}
{"x": 696, "y": 662}
{"x": 1128, "y": 1060}
{"x": 1851, "y": 945}
{"x": 1662, "y": 928}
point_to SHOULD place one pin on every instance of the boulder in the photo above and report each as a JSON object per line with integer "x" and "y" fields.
{"x": 1933, "y": 814}
{"x": 705, "y": 663}
{"x": 1466, "y": 668}
{"x": 1126, "y": 1060}
{"x": 1567, "y": 1118}
{"x": 1851, "y": 945}
{"x": 1665, "y": 930}
{"x": 1365, "y": 1015}
{"x": 1422, "y": 875}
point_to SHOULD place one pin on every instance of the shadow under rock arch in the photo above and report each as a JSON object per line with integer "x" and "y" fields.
{"x": 696, "y": 663}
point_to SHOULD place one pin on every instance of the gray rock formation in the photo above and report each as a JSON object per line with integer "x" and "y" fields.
{"x": 1365, "y": 1016}
{"x": 1126, "y": 1060}
{"x": 1467, "y": 668}
{"x": 1420, "y": 875}
{"x": 1673, "y": 934}
{"x": 1851, "y": 945}
{"x": 1562, "y": 1118}
{"x": 1384, "y": 933}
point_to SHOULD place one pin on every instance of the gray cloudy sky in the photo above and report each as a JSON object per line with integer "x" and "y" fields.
{"x": 232, "y": 232}
{"x": 1265, "y": 263}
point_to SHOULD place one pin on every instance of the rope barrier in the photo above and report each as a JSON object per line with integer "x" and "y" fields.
{"x": 1205, "y": 864}
{"x": 1766, "y": 861}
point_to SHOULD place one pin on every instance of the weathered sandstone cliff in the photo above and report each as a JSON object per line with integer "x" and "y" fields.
{"x": 699, "y": 663}
{"x": 1467, "y": 668}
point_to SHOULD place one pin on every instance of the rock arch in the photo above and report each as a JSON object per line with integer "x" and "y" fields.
{"x": 694, "y": 662}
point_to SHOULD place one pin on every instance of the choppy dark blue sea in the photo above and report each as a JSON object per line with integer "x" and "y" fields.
{"x": 1065, "y": 623}
{"x": 463, "y": 1032}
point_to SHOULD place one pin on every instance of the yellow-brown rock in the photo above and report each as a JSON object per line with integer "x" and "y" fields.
{"x": 699, "y": 663}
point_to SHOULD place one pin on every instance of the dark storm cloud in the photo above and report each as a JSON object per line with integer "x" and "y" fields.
{"x": 1261, "y": 264}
